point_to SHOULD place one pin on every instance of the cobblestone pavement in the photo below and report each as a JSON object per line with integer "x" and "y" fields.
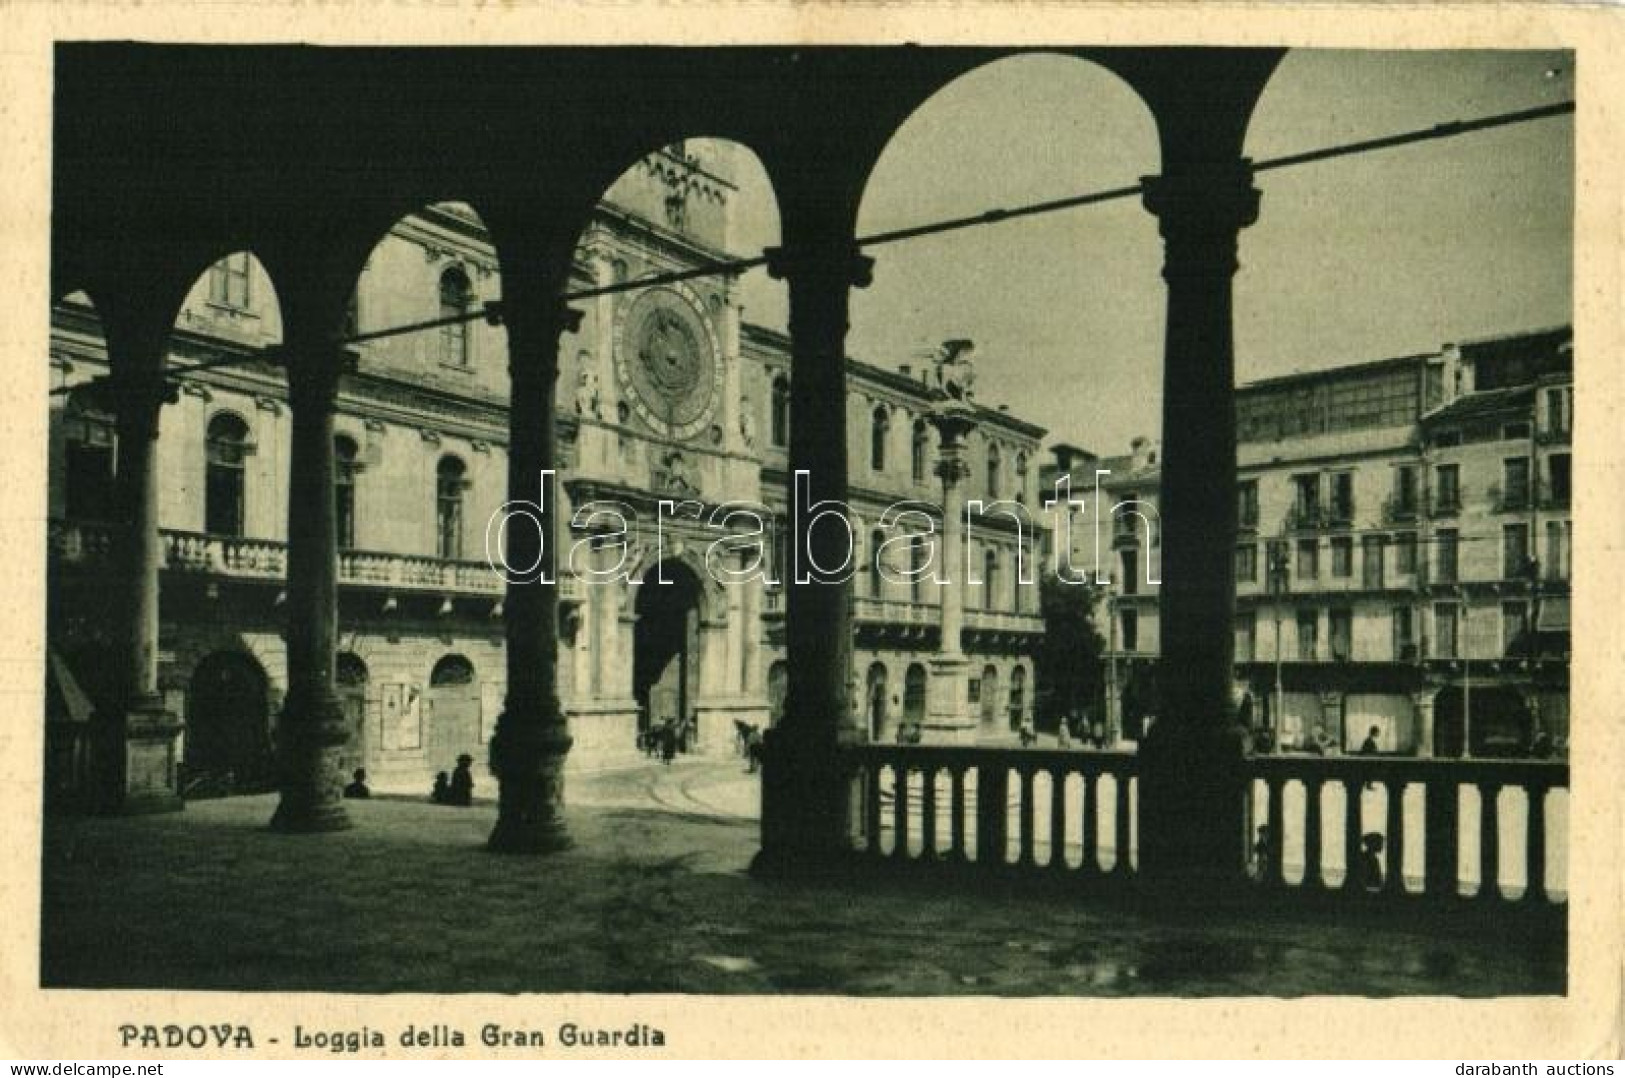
{"x": 655, "y": 898}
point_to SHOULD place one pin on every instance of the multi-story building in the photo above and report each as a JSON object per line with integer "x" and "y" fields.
{"x": 1402, "y": 559}
{"x": 668, "y": 408}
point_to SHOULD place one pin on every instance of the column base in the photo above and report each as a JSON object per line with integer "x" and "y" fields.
{"x": 137, "y": 768}
{"x": 311, "y": 768}
{"x": 948, "y": 718}
{"x": 529, "y": 767}
{"x": 1192, "y": 807}
{"x": 806, "y": 808}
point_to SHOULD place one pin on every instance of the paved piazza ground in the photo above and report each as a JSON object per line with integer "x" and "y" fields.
{"x": 655, "y": 898}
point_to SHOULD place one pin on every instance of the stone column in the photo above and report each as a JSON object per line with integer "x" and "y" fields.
{"x": 1191, "y": 804}
{"x": 532, "y": 736}
{"x": 134, "y": 747}
{"x": 311, "y": 731}
{"x": 948, "y": 716}
{"x": 804, "y": 802}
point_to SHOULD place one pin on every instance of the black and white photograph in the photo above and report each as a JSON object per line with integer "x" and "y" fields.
{"x": 696, "y": 520}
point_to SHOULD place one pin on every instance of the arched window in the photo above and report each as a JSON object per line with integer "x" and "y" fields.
{"x": 451, "y": 670}
{"x": 449, "y": 486}
{"x": 914, "y": 694}
{"x": 994, "y": 468}
{"x": 344, "y": 469}
{"x": 990, "y": 577}
{"x": 92, "y": 446}
{"x": 779, "y": 423}
{"x": 916, "y": 562}
{"x": 1018, "y": 696}
{"x": 879, "y": 428}
{"x": 226, "y": 451}
{"x": 229, "y": 281}
{"x": 456, "y": 296}
{"x": 876, "y": 582}
{"x": 920, "y": 460}
{"x": 1021, "y": 478}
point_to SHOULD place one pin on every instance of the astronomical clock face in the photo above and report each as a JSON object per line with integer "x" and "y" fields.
{"x": 666, "y": 360}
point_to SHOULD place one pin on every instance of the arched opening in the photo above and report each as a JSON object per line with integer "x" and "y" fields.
{"x": 456, "y": 297}
{"x": 345, "y": 467}
{"x": 780, "y": 414}
{"x": 879, "y": 432}
{"x": 874, "y": 564}
{"x": 995, "y": 472}
{"x": 666, "y": 649}
{"x": 450, "y": 482}
{"x": 992, "y": 701}
{"x": 225, "y": 490}
{"x": 1018, "y": 697}
{"x": 451, "y": 712}
{"x": 876, "y": 709}
{"x": 914, "y": 687}
{"x": 228, "y": 745}
{"x": 920, "y": 451}
{"x": 350, "y": 684}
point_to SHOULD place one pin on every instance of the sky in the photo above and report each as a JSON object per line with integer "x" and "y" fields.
{"x": 1383, "y": 254}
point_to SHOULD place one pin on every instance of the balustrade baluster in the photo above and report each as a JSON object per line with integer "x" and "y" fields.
{"x": 871, "y": 806}
{"x": 928, "y": 812}
{"x": 1057, "y": 819}
{"x": 1123, "y": 867}
{"x": 957, "y": 824}
{"x": 899, "y": 812}
{"x": 1489, "y": 842}
{"x": 1091, "y": 824}
{"x": 1313, "y": 875}
{"x": 1441, "y": 849}
{"x": 1025, "y": 852}
{"x": 1274, "y": 874}
{"x": 1535, "y": 845}
{"x": 1351, "y": 836}
{"x": 1394, "y": 881}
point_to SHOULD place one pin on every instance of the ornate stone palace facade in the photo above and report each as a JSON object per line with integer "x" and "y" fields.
{"x": 665, "y": 396}
{"x": 1403, "y": 558}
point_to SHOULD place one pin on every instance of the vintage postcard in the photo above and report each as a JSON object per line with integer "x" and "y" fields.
{"x": 798, "y": 530}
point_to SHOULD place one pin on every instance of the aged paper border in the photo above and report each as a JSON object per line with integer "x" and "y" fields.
{"x": 1587, "y": 1023}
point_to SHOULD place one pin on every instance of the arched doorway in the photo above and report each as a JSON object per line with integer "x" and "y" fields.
{"x": 228, "y": 725}
{"x": 1018, "y": 696}
{"x": 875, "y": 708}
{"x": 666, "y": 646}
{"x": 451, "y": 712}
{"x": 990, "y": 700}
{"x": 350, "y": 684}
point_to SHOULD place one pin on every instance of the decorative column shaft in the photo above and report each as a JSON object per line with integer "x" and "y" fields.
{"x": 532, "y": 735}
{"x": 312, "y": 732}
{"x": 804, "y": 803}
{"x": 1192, "y": 817}
{"x": 135, "y": 748}
{"x": 948, "y": 715}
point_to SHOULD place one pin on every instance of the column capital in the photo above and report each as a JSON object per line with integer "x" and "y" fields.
{"x": 836, "y": 262}
{"x": 1199, "y": 211}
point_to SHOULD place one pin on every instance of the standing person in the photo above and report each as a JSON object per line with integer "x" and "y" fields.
{"x": 668, "y": 741}
{"x": 462, "y": 782}
{"x": 1261, "y": 854}
{"x": 1028, "y": 734}
{"x": 1063, "y": 736}
{"x": 358, "y": 787}
{"x": 441, "y": 794}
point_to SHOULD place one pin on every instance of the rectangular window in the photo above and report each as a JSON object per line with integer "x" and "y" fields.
{"x": 1447, "y": 488}
{"x": 1342, "y": 497}
{"x": 1404, "y": 504}
{"x": 1246, "y": 636}
{"x": 229, "y": 281}
{"x": 1404, "y": 635}
{"x": 1445, "y": 556}
{"x": 1371, "y": 548}
{"x": 1246, "y": 562}
{"x": 1557, "y": 555}
{"x": 1277, "y": 565}
{"x": 1557, "y": 413}
{"x": 1308, "y": 636}
{"x": 1130, "y": 580}
{"x": 1308, "y": 559}
{"x": 1341, "y": 626}
{"x": 1514, "y": 551}
{"x": 1558, "y": 479}
{"x": 1307, "y": 494}
{"x": 1515, "y": 628}
{"x": 1130, "y": 620}
{"x": 1342, "y": 555}
{"x": 1445, "y": 642}
{"x": 1515, "y": 483}
{"x": 1247, "y": 503}
{"x": 1405, "y": 553}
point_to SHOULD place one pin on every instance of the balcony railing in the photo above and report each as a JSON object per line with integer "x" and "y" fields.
{"x": 999, "y": 810}
{"x": 1492, "y": 834}
{"x": 1397, "y": 510}
{"x": 1459, "y": 816}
